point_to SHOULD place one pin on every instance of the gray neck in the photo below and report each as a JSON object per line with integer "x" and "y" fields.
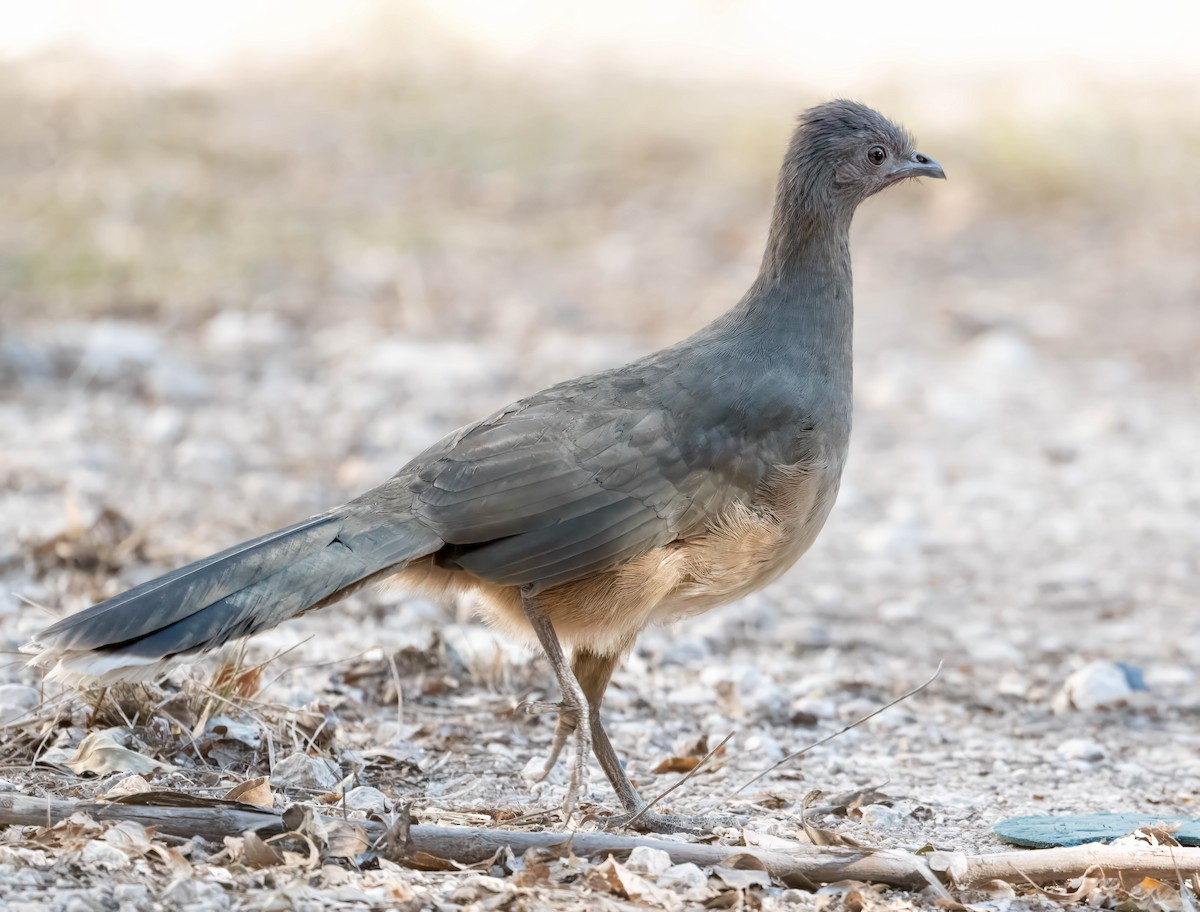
{"x": 800, "y": 309}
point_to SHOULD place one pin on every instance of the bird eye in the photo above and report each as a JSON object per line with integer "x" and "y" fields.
{"x": 876, "y": 155}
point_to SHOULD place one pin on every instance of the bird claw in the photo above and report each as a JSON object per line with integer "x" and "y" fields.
{"x": 542, "y": 708}
{"x": 578, "y": 784}
{"x": 568, "y": 723}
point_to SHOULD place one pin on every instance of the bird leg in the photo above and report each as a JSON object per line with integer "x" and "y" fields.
{"x": 583, "y": 683}
{"x": 593, "y": 673}
{"x": 570, "y": 709}
{"x": 567, "y": 721}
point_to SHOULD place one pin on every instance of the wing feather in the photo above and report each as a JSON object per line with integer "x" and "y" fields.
{"x": 554, "y": 487}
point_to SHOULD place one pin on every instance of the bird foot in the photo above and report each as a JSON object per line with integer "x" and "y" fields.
{"x": 568, "y": 721}
{"x": 545, "y": 707}
{"x": 569, "y": 714}
{"x": 579, "y": 770}
{"x": 663, "y": 824}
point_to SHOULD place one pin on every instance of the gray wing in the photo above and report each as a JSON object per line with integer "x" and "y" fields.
{"x": 573, "y": 480}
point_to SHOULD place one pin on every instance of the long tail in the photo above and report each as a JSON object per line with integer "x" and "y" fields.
{"x": 238, "y": 592}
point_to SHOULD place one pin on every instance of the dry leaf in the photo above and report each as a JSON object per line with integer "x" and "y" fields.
{"x": 253, "y": 791}
{"x": 130, "y": 785}
{"x": 534, "y": 870}
{"x": 258, "y": 854}
{"x": 677, "y": 765}
{"x": 73, "y": 833}
{"x": 742, "y": 878}
{"x": 393, "y": 878}
{"x": 131, "y": 838}
{"x": 423, "y": 861}
{"x": 102, "y": 752}
{"x": 346, "y": 841}
{"x": 816, "y": 835}
{"x": 178, "y": 867}
{"x": 757, "y": 840}
{"x": 613, "y": 877}
{"x": 844, "y": 802}
{"x": 1160, "y": 835}
{"x": 234, "y": 678}
{"x": 303, "y": 821}
{"x": 101, "y": 547}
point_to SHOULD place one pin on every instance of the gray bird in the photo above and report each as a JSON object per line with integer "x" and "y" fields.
{"x": 586, "y": 512}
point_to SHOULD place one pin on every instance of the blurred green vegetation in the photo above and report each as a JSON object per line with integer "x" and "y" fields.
{"x": 445, "y": 194}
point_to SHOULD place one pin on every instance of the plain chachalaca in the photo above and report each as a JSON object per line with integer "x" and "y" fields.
{"x": 586, "y": 512}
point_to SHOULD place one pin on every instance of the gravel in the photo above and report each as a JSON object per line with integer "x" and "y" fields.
{"x": 1022, "y": 504}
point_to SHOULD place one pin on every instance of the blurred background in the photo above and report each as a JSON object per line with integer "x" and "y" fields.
{"x": 255, "y": 255}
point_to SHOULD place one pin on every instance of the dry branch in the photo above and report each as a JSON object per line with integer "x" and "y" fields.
{"x": 804, "y": 865}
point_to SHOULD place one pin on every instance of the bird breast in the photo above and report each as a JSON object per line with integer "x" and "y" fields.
{"x": 752, "y": 544}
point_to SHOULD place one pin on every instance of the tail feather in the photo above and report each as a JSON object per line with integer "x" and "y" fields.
{"x": 238, "y": 592}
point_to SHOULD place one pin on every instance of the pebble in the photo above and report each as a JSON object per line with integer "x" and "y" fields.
{"x": 302, "y": 771}
{"x": 103, "y": 855}
{"x": 366, "y": 798}
{"x": 531, "y": 772}
{"x": 648, "y": 861}
{"x": 881, "y": 817}
{"x": 685, "y": 876}
{"x": 1098, "y": 686}
{"x": 131, "y": 895}
{"x": 1082, "y": 749}
{"x": 195, "y": 894}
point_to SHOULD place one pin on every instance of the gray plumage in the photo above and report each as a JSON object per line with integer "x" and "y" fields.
{"x": 587, "y": 477}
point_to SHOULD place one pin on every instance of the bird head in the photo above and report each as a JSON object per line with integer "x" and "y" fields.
{"x": 842, "y": 152}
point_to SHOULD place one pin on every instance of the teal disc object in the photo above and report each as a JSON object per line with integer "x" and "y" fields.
{"x": 1048, "y": 832}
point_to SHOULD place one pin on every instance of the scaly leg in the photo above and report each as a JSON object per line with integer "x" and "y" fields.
{"x": 583, "y": 684}
{"x": 571, "y": 708}
{"x": 593, "y": 673}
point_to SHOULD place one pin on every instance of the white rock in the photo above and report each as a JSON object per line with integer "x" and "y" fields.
{"x": 132, "y": 896}
{"x": 1169, "y": 676}
{"x": 648, "y": 861}
{"x": 880, "y": 816}
{"x": 1082, "y": 749}
{"x": 683, "y": 876}
{"x": 248, "y": 733}
{"x": 365, "y": 798}
{"x": 302, "y": 771}
{"x": 1097, "y": 685}
{"x": 532, "y": 771}
{"x": 103, "y": 855}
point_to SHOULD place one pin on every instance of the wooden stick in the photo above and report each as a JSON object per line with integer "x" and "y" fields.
{"x": 802, "y": 865}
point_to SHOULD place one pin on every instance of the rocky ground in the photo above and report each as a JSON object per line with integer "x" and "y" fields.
{"x": 229, "y": 307}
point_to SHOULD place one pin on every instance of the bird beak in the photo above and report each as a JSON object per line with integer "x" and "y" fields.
{"x": 918, "y": 165}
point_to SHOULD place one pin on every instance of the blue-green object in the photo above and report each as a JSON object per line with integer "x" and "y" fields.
{"x": 1048, "y": 832}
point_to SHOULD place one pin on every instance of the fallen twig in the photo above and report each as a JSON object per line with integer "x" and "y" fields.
{"x": 182, "y": 815}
